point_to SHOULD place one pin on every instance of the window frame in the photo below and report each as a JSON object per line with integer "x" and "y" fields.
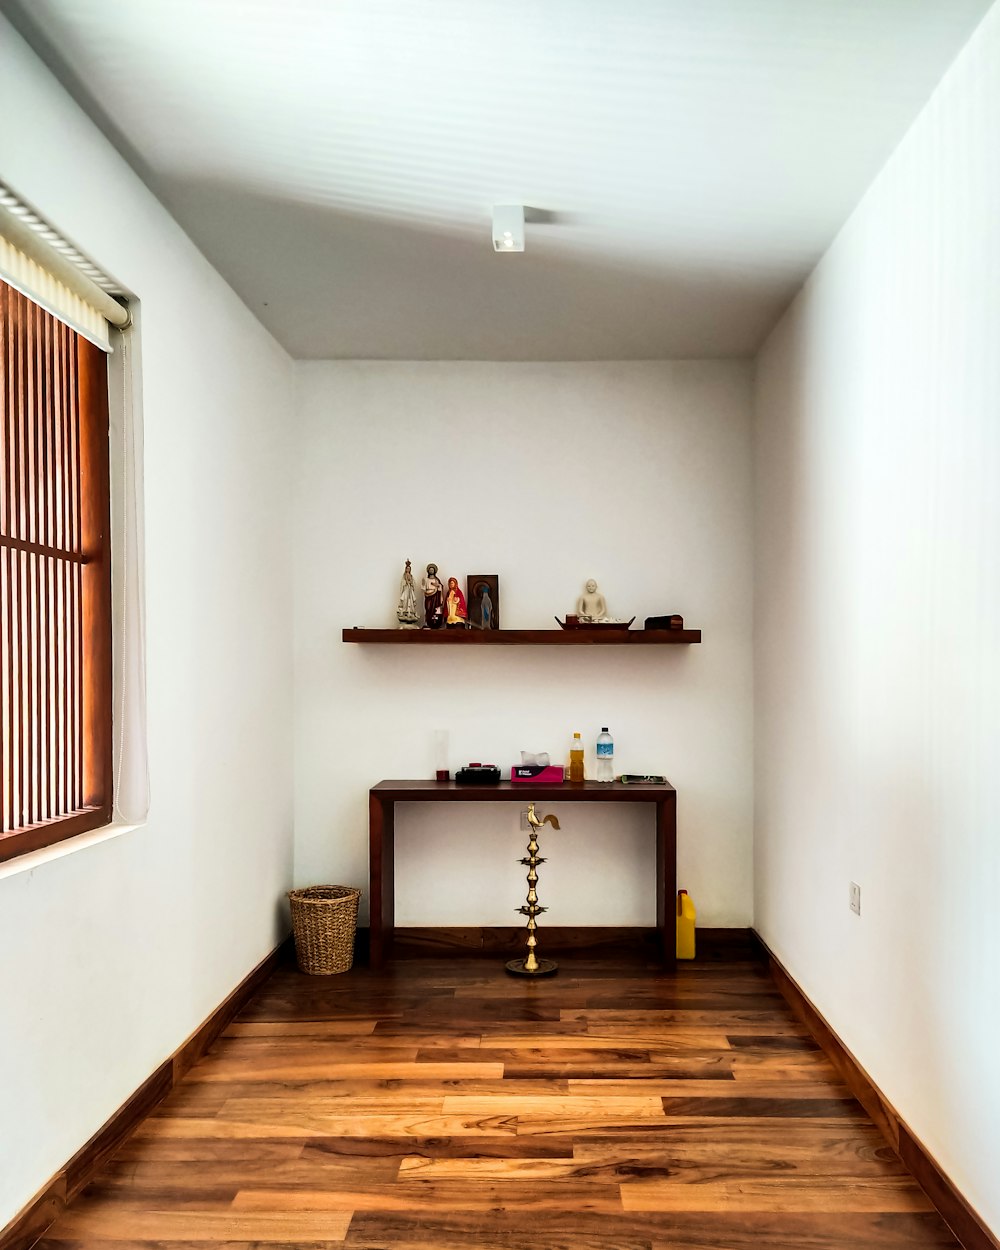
{"x": 37, "y": 378}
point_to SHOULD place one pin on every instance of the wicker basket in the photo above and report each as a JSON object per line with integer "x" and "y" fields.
{"x": 324, "y": 920}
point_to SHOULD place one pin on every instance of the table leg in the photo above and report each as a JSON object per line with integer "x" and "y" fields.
{"x": 666, "y": 876}
{"x": 382, "y": 865}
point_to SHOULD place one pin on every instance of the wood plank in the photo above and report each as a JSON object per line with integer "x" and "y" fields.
{"x": 104, "y": 1243}
{"x": 609, "y": 1065}
{"x": 142, "y": 1149}
{"x": 641, "y": 1019}
{"x": 120, "y": 1223}
{"x": 873, "y": 1195}
{"x": 698, "y": 1164}
{"x": 481, "y": 1146}
{"x": 319, "y": 1125}
{"x": 305, "y": 1172}
{"x": 378, "y": 1068}
{"x": 672, "y": 1042}
{"x": 809, "y": 1092}
{"x": 566, "y": 1230}
{"x": 129, "y": 1243}
{"x": 628, "y": 1106}
{"x": 763, "y": 1107}
{"x": 419, "y": 1196}
{"x": 209, "y": 1099}
{"x": 735, "y": 1150}
{"x": 303, "y": 1028}
{"x": 397, "y": 1039}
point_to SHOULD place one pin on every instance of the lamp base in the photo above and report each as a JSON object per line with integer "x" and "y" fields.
{"x": 545, "y": 968}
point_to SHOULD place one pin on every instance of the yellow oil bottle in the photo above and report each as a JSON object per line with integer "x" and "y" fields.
{"x": 685, "y": 925}
{"x": 576, "y": 759}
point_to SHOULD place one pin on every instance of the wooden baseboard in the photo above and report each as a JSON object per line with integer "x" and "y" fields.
{"x": 47, "y": 1205}
{"x": 601, "y": 940}
{"x": 953, "y": 1207}
{"x": 509, "y": 939}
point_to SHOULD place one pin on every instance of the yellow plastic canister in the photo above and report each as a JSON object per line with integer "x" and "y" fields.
{"x": 685, "y": 925}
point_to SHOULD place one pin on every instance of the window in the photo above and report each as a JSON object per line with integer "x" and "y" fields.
{"x": 55, "y": 580}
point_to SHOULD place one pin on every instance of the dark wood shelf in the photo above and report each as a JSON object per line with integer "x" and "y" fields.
{"x": 526, "y": 637}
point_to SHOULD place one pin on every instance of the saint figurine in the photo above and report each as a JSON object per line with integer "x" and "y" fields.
{"x": 486, "y": 616}
{"x": 433, "y": 589}
{"x": 406, "y": 609}
{"x": 591, "y": 605}
{"x": 455, "y": 610}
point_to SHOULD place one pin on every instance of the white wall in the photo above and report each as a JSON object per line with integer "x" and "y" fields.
{"x": 114, "y": 953}
{"x": 547, "y": 474}
{"x": 878, "y": 602}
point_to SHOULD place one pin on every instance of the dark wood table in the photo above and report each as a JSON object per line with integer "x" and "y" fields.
{"x": 381, "y": 838}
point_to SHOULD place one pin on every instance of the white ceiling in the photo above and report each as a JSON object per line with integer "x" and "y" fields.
{"x": 686, "y": 162}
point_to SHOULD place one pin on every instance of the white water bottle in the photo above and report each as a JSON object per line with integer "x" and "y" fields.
{"x": 605, "y": 756}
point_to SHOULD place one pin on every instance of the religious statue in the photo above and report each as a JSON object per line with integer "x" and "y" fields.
{"x": 406, "y": 608}
{"x": 486, "y": 614}
{"x": 433, "y": 589}
{"x": 455, "y": 610}
{"x": 591, "y": 605}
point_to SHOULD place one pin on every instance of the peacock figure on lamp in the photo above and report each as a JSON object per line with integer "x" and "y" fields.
{"x": 531, "y": 965}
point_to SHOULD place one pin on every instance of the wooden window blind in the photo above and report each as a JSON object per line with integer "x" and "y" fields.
{"x": 55, "y": 581}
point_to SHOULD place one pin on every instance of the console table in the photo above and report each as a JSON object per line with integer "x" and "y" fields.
{"x": 383, "y": 797}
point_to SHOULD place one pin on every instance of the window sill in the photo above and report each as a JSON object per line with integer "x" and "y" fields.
{"x": 36, "y": 859}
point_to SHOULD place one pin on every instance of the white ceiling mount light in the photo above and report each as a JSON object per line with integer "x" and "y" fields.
{"x": 508, "y": 227}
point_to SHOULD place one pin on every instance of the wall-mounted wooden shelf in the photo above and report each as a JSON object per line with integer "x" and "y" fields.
{"x": 526, "y": 637}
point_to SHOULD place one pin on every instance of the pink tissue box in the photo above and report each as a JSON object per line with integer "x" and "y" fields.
{"x": 550, "y": 774}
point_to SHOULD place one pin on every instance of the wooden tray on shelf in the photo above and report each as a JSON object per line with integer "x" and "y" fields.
{"x": 567, "y": 624}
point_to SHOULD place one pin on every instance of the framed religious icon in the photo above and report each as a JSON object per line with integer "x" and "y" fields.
{"x": 483, "y": 599}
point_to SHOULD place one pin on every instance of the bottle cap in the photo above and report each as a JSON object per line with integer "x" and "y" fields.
{"x": 576, "y": 735}
{"x": 604, "y": 729}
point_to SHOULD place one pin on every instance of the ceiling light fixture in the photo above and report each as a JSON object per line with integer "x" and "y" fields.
{"x": 508, "y": 227}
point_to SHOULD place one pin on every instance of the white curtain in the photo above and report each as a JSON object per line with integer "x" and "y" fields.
{"x": 131, "y": 761}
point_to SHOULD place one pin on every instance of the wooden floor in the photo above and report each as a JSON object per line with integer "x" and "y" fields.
{"x": 440, "y": 1105}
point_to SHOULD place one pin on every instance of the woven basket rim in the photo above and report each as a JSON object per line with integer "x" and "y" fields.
{"x": 323, "y": 893}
